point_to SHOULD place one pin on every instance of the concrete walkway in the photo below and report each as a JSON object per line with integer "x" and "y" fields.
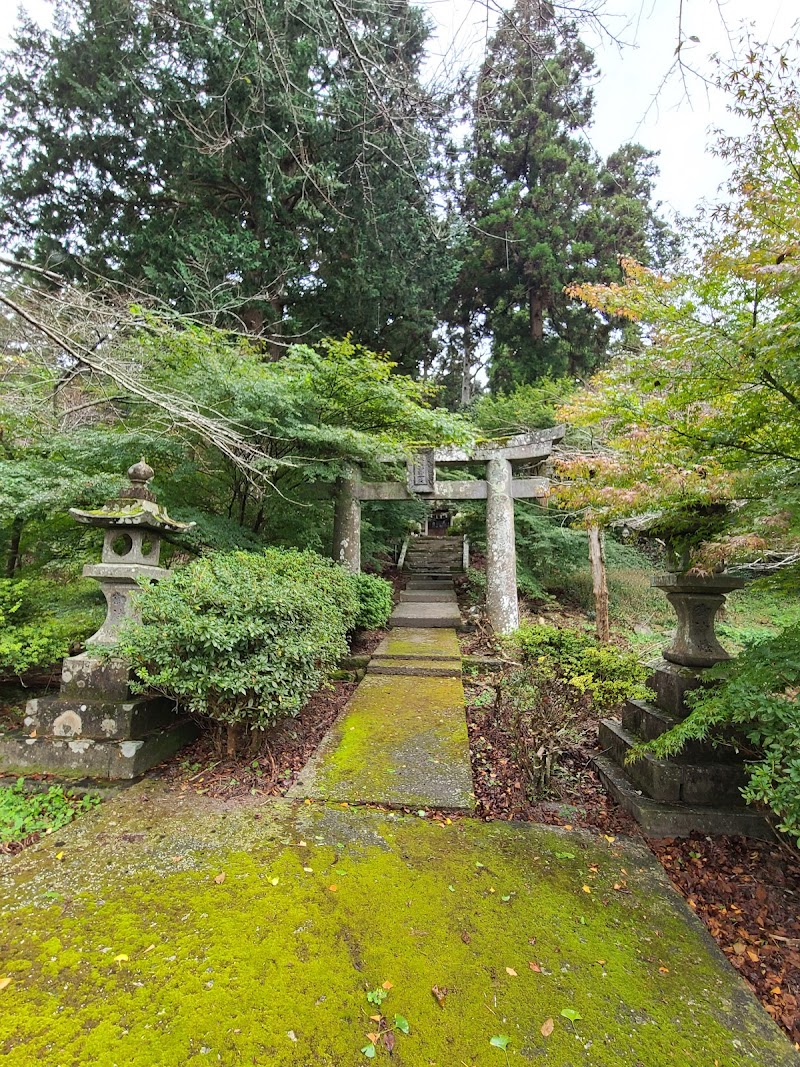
{"x": 402, "y": 741}
{"x": 164, "y": 930}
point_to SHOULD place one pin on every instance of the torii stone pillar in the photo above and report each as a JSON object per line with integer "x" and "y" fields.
{"x": 501, "y": 557}
{"x": 347, "y": 522}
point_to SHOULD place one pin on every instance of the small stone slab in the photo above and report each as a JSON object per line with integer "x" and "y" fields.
{"x": 176, "y": 930}
{"x": 428, "y": 596}
{"x": 432, "y": 644}
{"x": 423, "y": 615}
{"x": 401, "y": 742}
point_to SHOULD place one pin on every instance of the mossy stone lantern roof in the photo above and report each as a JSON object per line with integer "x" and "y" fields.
{"x": 135, "y": 506}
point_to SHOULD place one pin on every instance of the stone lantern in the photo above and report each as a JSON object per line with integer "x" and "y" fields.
{"x": 95, "y": 727}
{"x": 134, "y": 524}
{"x": 699, "y": 789}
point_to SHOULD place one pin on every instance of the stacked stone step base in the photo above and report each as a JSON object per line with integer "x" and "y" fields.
{"x": 94, "y": 727}
{"x": 86, "y": 757}
{"x": 676, "y": 780}
{"x": 101, "y": 720}
{"x": 647, "y": 722}
{"x": 659, "y": 818}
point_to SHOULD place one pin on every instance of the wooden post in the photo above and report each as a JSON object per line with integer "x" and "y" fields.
{"x": 597, "y": 560}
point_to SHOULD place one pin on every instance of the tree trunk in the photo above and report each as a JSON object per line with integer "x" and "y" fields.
{"x": 536, "y": 313}
{"x": 597, "y": 560}
{"x": 12, "y": 561}
{"x": 232, "y": 739}
{"x": 466, "y": 371}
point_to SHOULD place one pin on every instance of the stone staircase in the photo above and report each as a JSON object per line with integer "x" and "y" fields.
{"x": 429, "y": 599}
{"x": 435, "y": 557}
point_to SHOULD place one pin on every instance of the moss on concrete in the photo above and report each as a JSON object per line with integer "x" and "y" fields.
{"x": 271, "y": 965}
{"x": 427, "y": 641}
{"x": 402, "y": 742}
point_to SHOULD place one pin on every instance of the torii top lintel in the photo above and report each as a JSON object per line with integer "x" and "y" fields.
{"x": 422, "y": 482}
{"x": 528, "y": 447}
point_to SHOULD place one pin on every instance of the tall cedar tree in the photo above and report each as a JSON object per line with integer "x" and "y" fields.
{"x": 264, "y": 165}
{"x": 543, "y": 210}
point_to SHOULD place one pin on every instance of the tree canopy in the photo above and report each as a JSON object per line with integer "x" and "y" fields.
{"x": 706, "y": 409}
{"x": 264, "y": 166}
{"x": 543, "y": 209}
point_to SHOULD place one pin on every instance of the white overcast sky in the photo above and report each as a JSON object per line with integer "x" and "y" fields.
{"x": 632, "y": 100}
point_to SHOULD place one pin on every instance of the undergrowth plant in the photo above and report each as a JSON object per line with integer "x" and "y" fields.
{"x": 565, "y": 683}
{"x": 22, "y": 814}
{"x": 375, "y": 601}
{"x": 36, "y": 630}
{"x": 244, "y": 639}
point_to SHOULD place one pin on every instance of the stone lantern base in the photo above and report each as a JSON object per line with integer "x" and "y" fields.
{"x": 94, "y": 727}
{"x": 700, "y": 789}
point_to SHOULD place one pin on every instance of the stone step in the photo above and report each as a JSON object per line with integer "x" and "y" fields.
{"x": 420, "y": 668}
{"x": 427, "y": 596}
{"x": 428, "y": 571}
{"x": 713, "y": 782}
{"x": 423, "y": 615}
{"x": 70, "y": 717}
{"x": 430, "y": 584}
{"x": 659, "y": 818}
{"x": 87, "y": 758}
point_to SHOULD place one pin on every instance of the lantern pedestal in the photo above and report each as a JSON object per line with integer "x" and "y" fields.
{"x": 698, "y": 791}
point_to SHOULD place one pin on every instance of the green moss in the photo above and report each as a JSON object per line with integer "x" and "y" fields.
{"x": 402, "y": 742}
{"x": 431, "y": 641}
{"x": 220, "y": 973}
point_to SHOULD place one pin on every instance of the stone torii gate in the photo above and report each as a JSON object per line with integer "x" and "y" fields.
{"x": 499, "y": 489}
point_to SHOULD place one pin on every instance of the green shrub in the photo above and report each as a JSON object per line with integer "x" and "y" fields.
{"x": 375, "y": 599}
{"x": 757, "y": 696}
{"x": 24, "y": 813}
{"x": 607, "y": 673}
{"x": 240, "y": 637}
{"x": 36, "y": 630}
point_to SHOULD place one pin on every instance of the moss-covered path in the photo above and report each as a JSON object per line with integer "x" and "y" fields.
{"x": 167, "y": 930}
{"x": 402, "y": 741}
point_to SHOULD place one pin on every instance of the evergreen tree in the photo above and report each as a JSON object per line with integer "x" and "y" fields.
{"x": 220, "y": 155}
{"x": 543, "y": 209}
